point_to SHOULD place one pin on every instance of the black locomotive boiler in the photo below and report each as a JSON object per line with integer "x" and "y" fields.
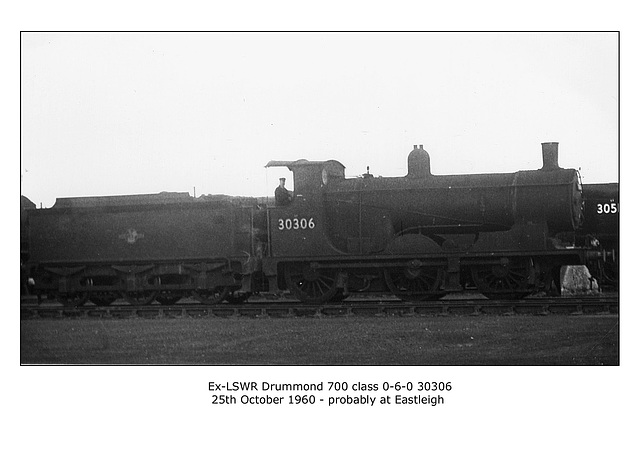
{"x": 418, "y": 236}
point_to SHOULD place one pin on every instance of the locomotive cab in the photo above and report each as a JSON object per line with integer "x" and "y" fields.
{"x": 309, "y": 177}
{"x": 297, "y": 231}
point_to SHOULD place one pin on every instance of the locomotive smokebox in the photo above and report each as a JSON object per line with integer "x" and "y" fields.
{"x": 550, "y": 156}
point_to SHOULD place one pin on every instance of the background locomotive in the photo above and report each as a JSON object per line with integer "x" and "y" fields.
{"x": 601, "y": 230}
{"x": 419, "y": 237}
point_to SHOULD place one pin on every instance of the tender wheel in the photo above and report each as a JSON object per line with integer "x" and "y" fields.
{"x": 315, "y": 286}
{"x": 415, "y": 282}
{"x": 167, "y": 298}
{"x": 211, "y": 297}
{"x": 238, "y": 298}
{"x": 139, "y": 298}
{"x": 102, "y": 299}
{"x": 512, "y": 278}
{"x": 72, "y": 299}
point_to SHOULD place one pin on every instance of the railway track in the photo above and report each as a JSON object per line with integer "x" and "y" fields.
{"x": 601, "y": 304}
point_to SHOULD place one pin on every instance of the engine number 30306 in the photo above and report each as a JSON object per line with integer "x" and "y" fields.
{"x": 296, "y": 223}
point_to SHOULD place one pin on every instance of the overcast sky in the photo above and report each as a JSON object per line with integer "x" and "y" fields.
{"x": 126, "y": 113}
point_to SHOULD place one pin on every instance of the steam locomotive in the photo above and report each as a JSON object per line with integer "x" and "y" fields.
{"x": 418, "y": 237}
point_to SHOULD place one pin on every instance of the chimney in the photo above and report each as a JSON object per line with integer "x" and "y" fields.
{"x": 550, "y": 156}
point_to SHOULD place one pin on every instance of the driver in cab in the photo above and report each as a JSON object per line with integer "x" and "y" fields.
{"x": 283, "y": 196}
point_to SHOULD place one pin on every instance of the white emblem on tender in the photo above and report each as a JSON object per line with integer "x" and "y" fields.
{"x": 131, "y": 236}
